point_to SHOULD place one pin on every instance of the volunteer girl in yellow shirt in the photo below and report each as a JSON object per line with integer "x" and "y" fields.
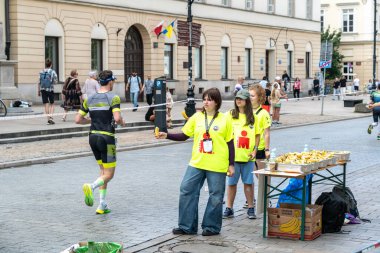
{"x": 212, "y": 158}
{"x": 246, "y": 140}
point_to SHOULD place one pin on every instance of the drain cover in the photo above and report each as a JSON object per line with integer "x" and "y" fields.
{"x": 196, "y": 246}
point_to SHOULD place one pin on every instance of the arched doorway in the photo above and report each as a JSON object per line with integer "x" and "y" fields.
{"x": 133, "y": 56}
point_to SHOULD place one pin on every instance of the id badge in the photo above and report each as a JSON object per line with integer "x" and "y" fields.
{"x": 207, "y": 145}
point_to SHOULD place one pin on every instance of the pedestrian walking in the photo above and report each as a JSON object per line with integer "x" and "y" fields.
{"x": 104, "y": 110}
{"x": 266, "y": 106}
{"x": 169, "y": 107}
{"x": 337, "y": 90}
{"x": 316, "y": 88}
{"x": 356, "y": 84}
{"x": 264, "y": 82}
{"x": 135, "y": 86}
{"x": 375, "y": 106}
{"x": 71, "y": 94}
{"x": 212, "y": 157}
{"x": 343, "y": 85}
{"x": 91, "y": 85}
{"x": 246, "y": 141}
{"x": 148, "y": 90}
{"x": 239, "y": 84}
{"x": 48, "y": 77}
{"x": 276, "y": 103}
{"x": 286, "y": 79}
{"x": 297, "y": 88}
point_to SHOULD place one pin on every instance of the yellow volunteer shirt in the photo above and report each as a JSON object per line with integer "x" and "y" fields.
{"x": 263, "y": 121}
{"x": 220, "y": 133}
{"x": 244, "y": 137}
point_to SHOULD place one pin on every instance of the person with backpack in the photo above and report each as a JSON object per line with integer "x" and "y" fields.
{"x": 135, "y": 85}
{"x": 48, "y": 77}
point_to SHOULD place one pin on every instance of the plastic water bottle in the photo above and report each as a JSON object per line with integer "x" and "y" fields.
{"x": 273, "y": 155}
{"x": 306, "y": 148}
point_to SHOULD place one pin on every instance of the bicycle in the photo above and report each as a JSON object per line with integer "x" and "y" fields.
{"x": 3, "y": 109}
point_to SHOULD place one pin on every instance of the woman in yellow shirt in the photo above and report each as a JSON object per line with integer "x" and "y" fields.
{"x": 246, "y": 140}
{"x": 212, "y": 157}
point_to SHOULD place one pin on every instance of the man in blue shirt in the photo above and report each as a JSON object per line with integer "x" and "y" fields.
{"x": 134, "y": 82}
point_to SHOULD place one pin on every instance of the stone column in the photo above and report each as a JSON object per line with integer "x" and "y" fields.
{"x": 2, "y": 54}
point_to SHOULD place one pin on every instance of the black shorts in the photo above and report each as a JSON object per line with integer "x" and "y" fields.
{"x": 104, "y": 149}
{"x": 47, "y": 97}
{"x": 260, "y": 154}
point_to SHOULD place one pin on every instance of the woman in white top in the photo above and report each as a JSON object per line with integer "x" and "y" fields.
{"x": 91, "y": 86}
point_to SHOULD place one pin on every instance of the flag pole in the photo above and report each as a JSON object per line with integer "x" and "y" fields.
{"x": 190, "y": 104}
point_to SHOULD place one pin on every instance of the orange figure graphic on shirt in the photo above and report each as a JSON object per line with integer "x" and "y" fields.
{"x": 201, "y": 148}
{"x": 243, "y": 142}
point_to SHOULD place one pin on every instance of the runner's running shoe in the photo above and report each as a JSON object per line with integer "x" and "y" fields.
{"x": 228, "y": 213}
{"x": 88, "y": 196}
{"x": 369, "y": 130}
{"x": 103, "y": 209}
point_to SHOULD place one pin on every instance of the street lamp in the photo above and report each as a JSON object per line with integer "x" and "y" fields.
{"x": 190, "y": 104}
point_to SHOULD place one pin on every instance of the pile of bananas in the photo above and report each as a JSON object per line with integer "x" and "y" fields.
{"x": 293, "y": 226}
{"x": 310, "y": 157}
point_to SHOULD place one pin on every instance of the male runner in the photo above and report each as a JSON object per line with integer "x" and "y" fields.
{"x": 104, "y": 109}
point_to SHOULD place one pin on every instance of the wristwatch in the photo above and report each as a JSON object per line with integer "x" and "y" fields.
{"x": 267, "y": 149}
{"x": 256, "y": 148}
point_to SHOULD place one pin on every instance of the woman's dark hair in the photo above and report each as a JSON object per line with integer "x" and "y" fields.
{"x": 48, "y": 63}
{"x": 248, "y": 111}
{"x": 214, "y": 95}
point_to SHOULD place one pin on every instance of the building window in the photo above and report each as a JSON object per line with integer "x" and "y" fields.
{"x": 198, "y": 62}
{"x": 290, "y": 63}
{"x": 52, "y": 52}
{"x": 226, "y": 2}
{"x": 291, "y": 8}
{"x": 249, "y": 4}
{"x": 168, "y": 61}
{"x": 309, "y": 9}
{"x": 348, "y": 70}
{"x": 322, "y": 20}
{"x": 248, "y": 61}
{"x": 348, "y": 20}
{"x": 224, "y": 63}
{"x": 271, "y": 6}
{"x": 307, "y": 64}
{"x": 97, "y": 55}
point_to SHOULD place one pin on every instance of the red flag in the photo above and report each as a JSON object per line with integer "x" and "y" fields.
{"x": 157, "y": 30}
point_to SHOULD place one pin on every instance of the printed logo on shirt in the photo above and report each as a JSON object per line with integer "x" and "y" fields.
{"x": 216, "y": 128}
{"x": 201, "y": 146}
{"x": 243, "y": 141}
{"x": 251, "y": 126}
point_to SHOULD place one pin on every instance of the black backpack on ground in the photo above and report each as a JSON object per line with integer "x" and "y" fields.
{"x": 348, "y": 196}
{"x": 333, "y": 211}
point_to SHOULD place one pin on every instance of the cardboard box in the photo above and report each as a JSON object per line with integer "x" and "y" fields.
{"x": 285, "y": 222}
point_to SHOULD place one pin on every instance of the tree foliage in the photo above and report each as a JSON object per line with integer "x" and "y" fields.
{"x": 336, "y": 67}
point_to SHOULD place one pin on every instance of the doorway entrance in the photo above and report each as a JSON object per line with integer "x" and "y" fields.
{"x": 270, "y": 71}
{"x": 133, "y": 57}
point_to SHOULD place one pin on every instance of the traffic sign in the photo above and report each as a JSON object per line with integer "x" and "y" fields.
{"x": 325, "y": 64}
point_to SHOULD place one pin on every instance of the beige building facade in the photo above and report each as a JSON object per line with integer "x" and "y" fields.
{"x": 355, "y": 19}
{"x": 239, "y": 38}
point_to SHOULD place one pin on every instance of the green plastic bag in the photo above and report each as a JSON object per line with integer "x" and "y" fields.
{"x": 100, "y": 247}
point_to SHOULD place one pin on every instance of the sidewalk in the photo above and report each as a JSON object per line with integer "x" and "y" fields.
{"x": 240, "y": 234}
{"x": 293, "y": 113}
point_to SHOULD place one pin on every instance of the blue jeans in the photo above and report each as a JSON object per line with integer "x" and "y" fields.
{"x": 191, "y": 185}
{"x": 134, "y": 96}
